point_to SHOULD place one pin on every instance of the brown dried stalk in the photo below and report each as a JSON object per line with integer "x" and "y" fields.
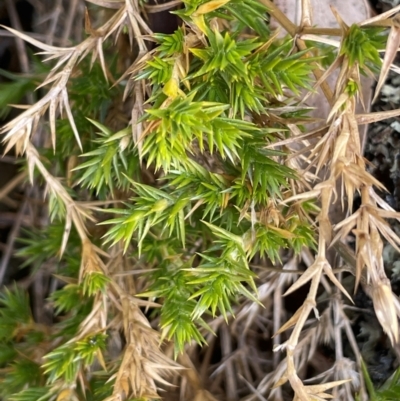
{"x": 339, "y": 151}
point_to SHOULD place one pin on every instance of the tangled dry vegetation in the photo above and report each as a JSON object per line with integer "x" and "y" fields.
{"x": 198, "y": 240}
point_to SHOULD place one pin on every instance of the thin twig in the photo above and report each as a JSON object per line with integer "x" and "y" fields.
{"x": 12, "y": 184}
{"x": 5, "y": 259}
{"x": 162, "y": 7}
{"x": 22, "y": 55}
{"x": 54, "y": 22}
{"x": 38, "y": 36}
{"x": 226, "y": 345}
{"x": 70, "y": 20}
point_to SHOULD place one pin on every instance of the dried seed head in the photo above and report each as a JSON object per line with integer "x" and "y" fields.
{"x": 325, "y": 327}
{"x": 385, "y": 310}
{"x": 346, "y": 369}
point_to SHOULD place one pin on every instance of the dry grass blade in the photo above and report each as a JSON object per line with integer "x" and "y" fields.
{"x": 290, "y": 323}
{"x": 328, "y": 271}
{"x": 339, "y": 19}
{"x": 306, "y": 14}
{"x": 374, "y": 117}
{"x": 381, "y": 17}
{"x": 36, "y": 43}
{"x": 67, "y": 106}
{"x": 156, "y": 8}
{"x": 17, "y": 180}
{"x": 342, "y": 99}
{"x": 314, "y": 269}
{"x": 318, "y": 390}
{"x": 115, "y": 4}
{"x": 391, "y": 50}
{"x": 322, "y": 79}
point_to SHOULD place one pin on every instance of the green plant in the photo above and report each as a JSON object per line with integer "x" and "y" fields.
{"x": 174, "y": 188}
{"x": 387, "y": 392}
